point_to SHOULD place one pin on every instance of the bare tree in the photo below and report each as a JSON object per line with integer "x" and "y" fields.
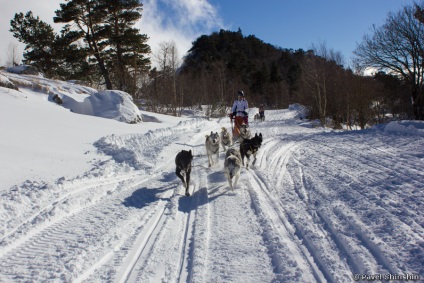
{"x": 169, "y": 62}
{"x": 397, "y": 48}
{"x": 319, "y": 70}
{"x": 13, "y": 56}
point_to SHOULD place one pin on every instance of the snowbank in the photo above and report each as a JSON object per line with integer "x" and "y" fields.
{"x": 25, "y": 70}
{"x": 301, "y": 110}
{"x": 111, "y": 104}
{"x": 406, "y": 127}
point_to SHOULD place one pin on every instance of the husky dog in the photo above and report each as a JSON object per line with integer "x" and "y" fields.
{"x": 249, "y": 147}
{"x": 183, "y": 163}
{"x": 232, "y": 166}
{"x": 245, "y": 132}
{"x": 256, "y": 117}
{"x": 226, "y": 139}
{"x": 212, "y": 147}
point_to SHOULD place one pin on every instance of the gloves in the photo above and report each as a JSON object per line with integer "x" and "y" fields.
{"x": 245, "y": 113}
{"x": 234, "y": 114}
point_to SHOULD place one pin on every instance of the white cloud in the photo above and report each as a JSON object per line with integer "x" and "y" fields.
{"x": 181, "y": 21}
{"x": 178, "y": 21}
{"x": 194, "y": 12}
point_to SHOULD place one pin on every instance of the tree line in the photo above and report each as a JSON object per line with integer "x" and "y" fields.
{"x": 99, "y": 45}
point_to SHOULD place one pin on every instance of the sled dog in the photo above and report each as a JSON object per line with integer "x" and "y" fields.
{"x": 226, "y": 139}
{"x": 245, "y": 132}
{"x": 183, "y": 163}
{"x": 256, "y": 117}
{"x": 249, "y": 147}
{"x": 232, "y": 166}
{"x": 212, "y": 147}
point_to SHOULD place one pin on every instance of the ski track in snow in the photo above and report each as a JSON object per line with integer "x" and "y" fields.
{"x": 317, "y": 206}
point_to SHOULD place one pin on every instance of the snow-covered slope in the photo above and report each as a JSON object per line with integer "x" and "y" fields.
{"x": 111, "y": 104}
{"x": 90, "y": 199}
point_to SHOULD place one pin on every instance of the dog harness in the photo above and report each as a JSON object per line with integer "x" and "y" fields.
{"x": 251, "y": 148}
{"x": 214, "y": 151}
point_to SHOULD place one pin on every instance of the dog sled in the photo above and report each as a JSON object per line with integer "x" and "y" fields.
{"x": 236, "y": 124}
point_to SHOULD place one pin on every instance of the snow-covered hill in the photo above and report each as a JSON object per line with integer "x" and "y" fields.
{"x": 89, "y": 199}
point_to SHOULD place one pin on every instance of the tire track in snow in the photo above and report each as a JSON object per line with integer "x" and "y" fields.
{"x": 76, "y": 232}
{"x": 180, "y": 215}
{"x": 323, "y": 265}
{"x": 166, "y": 255}
{"x": 345, "y": 248}
{"x": 270, "y": 210}
{"x": 44, "y": 215}
{"x": 142, "y": 243}
{"x": 235, "y": 243}
{"x": 195, "y": 240}
{"x": 214, "y": 228}
{"x": 365, "y": 252}
{"x": 292, "y": 262}
{"x": 348, "y": 248}
{"x": 139, "y": 256}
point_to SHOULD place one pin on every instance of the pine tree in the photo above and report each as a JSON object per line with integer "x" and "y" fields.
{"x": 106, "y": 26}
{"x": 87, "y": 16}
{"x": 39, "y": 38}
{"x": 56, "y": 55}
{"x": 127, "y": 46}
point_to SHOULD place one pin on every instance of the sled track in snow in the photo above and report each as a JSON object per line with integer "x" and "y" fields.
{"x": 44, "y": 217}
{"x": 268, "y": 208}
{"x": 337, "y": 197}
{"x": 314, "y": 235}
{"x": 142, "y": 243}
{"x": 70, "y": 230}
{"x": 290, "y": 219}
{"x": 152, "y": 235}
{"x": 180, "y": 214}
{"x": 279, "y": 227}
{"x": 73, "y": 219}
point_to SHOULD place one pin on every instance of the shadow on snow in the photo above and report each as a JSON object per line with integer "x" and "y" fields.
{"x": 144, "y": 197}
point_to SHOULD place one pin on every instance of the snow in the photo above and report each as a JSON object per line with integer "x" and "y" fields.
{"x": 406, "y": 127}
{"x": 85, "y": 198}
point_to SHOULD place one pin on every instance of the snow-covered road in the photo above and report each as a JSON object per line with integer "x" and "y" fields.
{"x": 318, "y": 206}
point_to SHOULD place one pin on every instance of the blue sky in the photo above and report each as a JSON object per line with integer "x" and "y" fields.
{"x": 340, "y": 24}
{"x": 300, "y": 23}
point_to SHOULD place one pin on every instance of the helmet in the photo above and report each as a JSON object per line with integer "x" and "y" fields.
{"x": 240, "y": 92}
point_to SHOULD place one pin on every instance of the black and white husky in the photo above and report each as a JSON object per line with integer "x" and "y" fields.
{"x": 226, "y": 139}
{"x": 232, "y": 166}
{"x": 183, "y": 163}
{"x": 212, "y": 147}
{"x": 245, "y": 132}
{"x": 249, "y": 147}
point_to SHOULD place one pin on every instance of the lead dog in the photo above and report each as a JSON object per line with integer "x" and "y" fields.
{"x": 183, "y": 163}
{"x": 232, "y": 166}
{"x": 212, "y": 147}
{"x": 226, "y": 139}
{"x": 249, "y": 147}
{"x": 245, "y": 132}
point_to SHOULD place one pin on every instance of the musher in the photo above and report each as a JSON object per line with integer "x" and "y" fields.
{"x": 239, "y": 115}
